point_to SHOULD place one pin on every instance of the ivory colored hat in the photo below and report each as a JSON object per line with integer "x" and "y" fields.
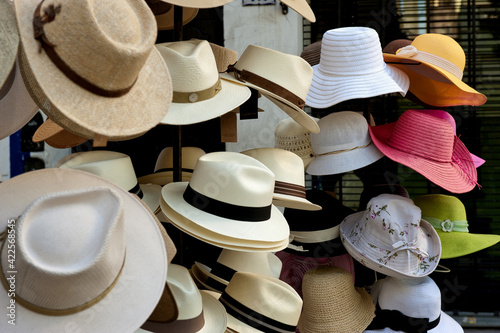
{"x": 333, "y": 304}
{"x": 56, "y": 136}
{"x": 72, "y": 265}
{"x": 435, "y": 64}
{"x": 198, "y": 312}
{"x": 447, "y": 215}
{"x": 289, "y": 135}
{"x": 229, "y": 198}
{"x": 288, "y": 169}
{"x": 164, "y": 14}
{"x": 216, "y": 276}
{"x": 282, "y": 78}
{"x": 390, "y": 237}
{"x": 117, "y": 168}
{"x": 302, "y": 7}
{"x": 352, "y": 66}
{"x": 429, "y": 146}
{"x": 344, "y": 144}
{"x": 116, "y": 85}
{"x": 163, "y": 171}
{"x": 199, "y": 93}
{"x": 411, "y": 305}
{"x": 258, "y": 303}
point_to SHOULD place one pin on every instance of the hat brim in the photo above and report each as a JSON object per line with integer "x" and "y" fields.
{"x": 328, "y": 90}
{"x": 151, "y": 194}
{"x": 458, "y": 244}
{"x": 227, "y": 99}
{"x": 290, "y": 201}
{"x": 401, "y": 266}
{"x": 446, "y": 325}
{"x": 457, "y": 176}
{"x": 56, "y": 136}
{"x": 119, "y": 118}
{"x": 199, "y": 3}
{"x": 165, "y": 21}
{"x": 145, "y": 264}
{"x": 9, "y": 39}
{"x": 302, "y": 8}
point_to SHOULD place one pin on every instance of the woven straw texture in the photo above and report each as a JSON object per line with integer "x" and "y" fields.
{"x": 56, "y": 136}
{"x": 312, "y": 53}
{"x": 164, "y": 14}
{"x": 289, "y": 135}
{"x": 9, "y": 39}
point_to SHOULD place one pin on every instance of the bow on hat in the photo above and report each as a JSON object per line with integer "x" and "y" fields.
{"x": 397, "y": 321}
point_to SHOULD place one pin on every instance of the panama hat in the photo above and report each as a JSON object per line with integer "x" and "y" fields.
{"x": 117, "y": 168}
{"x": 344, "y": 144}
{"x": 289, "y": 135}
{"x": 478, "y": 161}
{"x": 258, "y": 303}
{"x": 9, "y": 39}
{"x": 390, "y": 237}
{"x": 230, "y": 197}
{"x": 283, "y": 78}
{"x": 374, "y": 190}
{"x": 429, "y": 146}
{"x": 116, "y": 84}
{"x": 302, "y": 7}
{"x": 72, "y": 231}
{"x": 199, "y": 93}
{"x": 447, "y": 215}
{"x": 352, "y": 66}
{"x": 198, "y": 312}
{"x": 215, "y": 276}
{"x": 288, "y": 169}
{"x": 56, "y": 136}
{"x": 411, "y": 305}
{"x": 435, "y": 64}
{"x": 333, "y": 304}
{"x": 164, "y": 14}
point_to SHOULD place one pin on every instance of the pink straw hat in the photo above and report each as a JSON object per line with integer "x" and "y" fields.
{"x": 430, "y": 147}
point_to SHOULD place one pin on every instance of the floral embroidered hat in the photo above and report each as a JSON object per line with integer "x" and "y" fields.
{"x": 391, "y": 238}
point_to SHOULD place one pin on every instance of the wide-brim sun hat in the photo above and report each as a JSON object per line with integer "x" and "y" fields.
{"x": 107, "y": 61}
{"x": 391, "y": 238}
{"x": 429, "y": 146}
{"x": 164, "y": 14}
{"x": 111, "y": 312}
{"x": 199, "y": 93}
{"x": 435, "y": 65}
{"x": 56, "y": 136}
{"x": 352, "y": 66}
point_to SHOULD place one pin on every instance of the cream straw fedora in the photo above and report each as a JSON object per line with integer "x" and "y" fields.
{"x": 352, "y": 66}
{"x": 56, "y": 136}
{"x": 199, "y": 93}
{"x": 80, "y": 253}
{"x": 282, "y": 78}
{"x": 289, "y": 135}
{"x": 288, "y": 169}
{"x": 164, "y": 14}
{"x": 302, "y": 7}
{"x": 115, "y": 83}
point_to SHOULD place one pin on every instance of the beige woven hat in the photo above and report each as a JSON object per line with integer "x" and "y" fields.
{"x": 116, "y": 84}
{"x": 79, "y": 248}
{"x": 288, "y": 169}
{"x": 258, "y": 303}
{"x": 56, "y": 136}
{"x": 301, "y": 7}
{"x": 199, "y": 93}
{"x": 289, "y": 135}
{"x": 164, "y": 14}
{"x": 282, "y": 78}
{"x": 9, "y": 39}
{"x": 333, "y": 304}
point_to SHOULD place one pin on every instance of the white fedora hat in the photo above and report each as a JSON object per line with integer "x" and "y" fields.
{"x": 199, "y": 93}
{"x": 288, "y": 169}
{"x": 164, "y": 14}
{"x": 258, "y": 303}
{"x": 391, "y": 238}
{"x": 198, "y": 312}
{"x": 115, "y": 83}
{"x": 80, "y": 253}
{"x": 352, "y": 66}
{"x": 229, "y": 195}
{"x": 282, "y": 78}
{"x": 291, "y": 136}
{"x": 411, "y": 305}
{"x": 344, "y": 144}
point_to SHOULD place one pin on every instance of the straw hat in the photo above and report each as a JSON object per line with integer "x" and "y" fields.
{"x": 411, "y": 305}
{"x": 302, "y": 7}
{"x": 199, "y": 94}
{"x": 288, "y": 169}
{"x": 164, "y": 14}
{"x": 9, "y": 39}
{"x": 117, "y": 168}
{"x": 73, "y": 266}
{"x": 333, "y": 304}
{"x": 103, "y": 59}
{"x": 282, "y": 78}
{"x": 229, "y": 199}
{"x": 311, "y": 53}
{"x": 258, "y": 303}
{"x": 198, "y": 312}
{"x": 223, "y": 57}
{"x": 435, "y": 65}
{"x": 351, "y": 66}
{"x": 199, "y": 3}
{"x": 390, "y": 237}
{"x": 377, "y": 189}
{"x": 56, "y": 136}
{"x": 429, "y": 146}
{"x": 289, "y": 135}
{"x": 215, "y": 276}
{"x": 343, "y": 145}
{"x": 447, "y": 215}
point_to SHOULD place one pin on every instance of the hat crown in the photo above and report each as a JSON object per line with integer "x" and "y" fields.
{"x": 291, "y": 136}
{"x": 186, "y": 294}
{"x": 190, "y": 156}
{"x": 85, "y": 33}
{"x": 442, "y": 207}
{"x": 441, "y": 45}
{"x": 351, "y": 51}
{"x": 265, "y": 263}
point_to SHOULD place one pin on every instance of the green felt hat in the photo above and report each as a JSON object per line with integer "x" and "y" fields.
{"x": 447, "y": 215}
